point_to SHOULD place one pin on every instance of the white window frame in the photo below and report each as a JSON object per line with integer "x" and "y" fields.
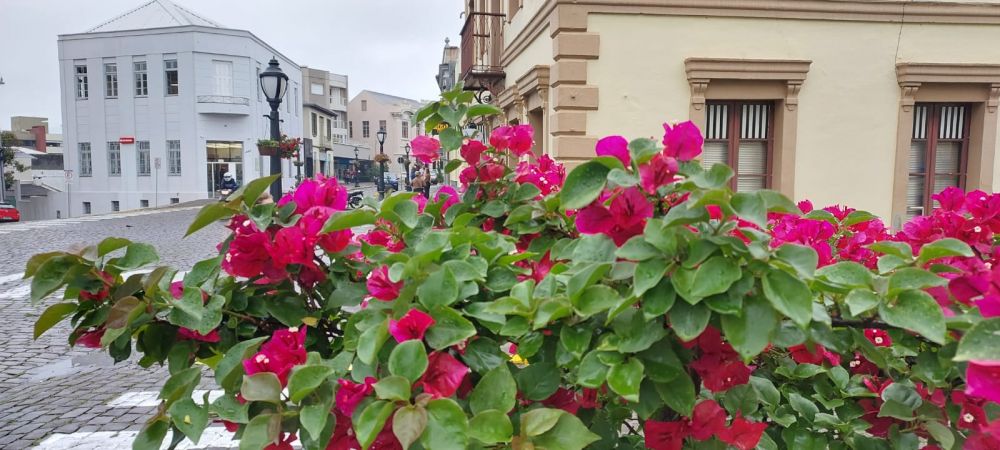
{"x": 114, "y": 159}
{"x": 82, "y": 81}
{"x": 173, "y": 157}
{"x": 141, "y": 70}
{"x": 170, "y": 65}
{"x": 86, "y": 159}
{"x": 142, "y": 166}
{"x": 224, "y": 78}
{"x": 110, "y": 80}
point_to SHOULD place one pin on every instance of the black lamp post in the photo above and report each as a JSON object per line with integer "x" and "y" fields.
{"x": 274, "y": 83}
{"x": 406, "y": 167}
{"x": 381, "y": 163}
{"x": 357, "y": 167}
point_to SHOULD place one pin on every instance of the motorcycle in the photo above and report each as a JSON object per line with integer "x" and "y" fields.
{"x": 223, "y": 194}
{"x": 354, "y": 199}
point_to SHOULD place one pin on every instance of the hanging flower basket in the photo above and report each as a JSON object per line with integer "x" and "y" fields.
{"x": 285, "y": 148}
{"x": 267, "y": 149}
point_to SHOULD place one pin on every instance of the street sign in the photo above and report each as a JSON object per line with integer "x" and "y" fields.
{"x": 156, "y": 162}
{"x": 69, "y": 174}
{"x": 126, "y": 140}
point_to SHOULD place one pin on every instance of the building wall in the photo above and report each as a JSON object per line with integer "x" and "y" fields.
{"x": 195, "y": 116}
{"x": 633, "y": 64}
{"x": 394, "y": 112}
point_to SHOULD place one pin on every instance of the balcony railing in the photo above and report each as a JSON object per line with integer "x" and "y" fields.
{"x": 224, "y": 99}
{"x": 482, "y": 44}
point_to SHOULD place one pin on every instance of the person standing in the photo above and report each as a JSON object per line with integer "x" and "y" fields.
{"x": 417, "y": 180}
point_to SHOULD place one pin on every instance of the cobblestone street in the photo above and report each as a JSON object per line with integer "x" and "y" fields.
{"x": 63, "y": 398}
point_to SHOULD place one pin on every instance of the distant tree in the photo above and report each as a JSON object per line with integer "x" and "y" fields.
{"x": 7, "y": 152}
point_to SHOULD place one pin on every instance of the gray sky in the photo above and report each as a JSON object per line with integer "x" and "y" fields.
{"x": 391, "y": 46}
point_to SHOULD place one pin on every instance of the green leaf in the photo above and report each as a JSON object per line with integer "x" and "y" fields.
{"x": 678, "y": 394}
{"x": 941, "y": 433}
{"x": 789, "y": 295}
{"x": 50, "y": 275}
{"x": 715, "y": 276}
{"x": 111, "y": 244}
{"x": 314, "y": 413}
{"x": 688, "y": 321}
{"x": 626, "y": 378}
{"x": 661, "y": 363}
{"x": 451, "y": 139}
{"x": 913, "y": 278}
{"x": 409, "y": 360}
{"x": 576, "y": 339}
{"x": 918, "y": 312}
{"x": 481, "y": 109}
{"x": 751, "y": 332}
{"x": 538, "y": 381}
{"x": 750, "y": 207}
{"x": 592, "y": 372}
{"x": 51, "y": 316}
{"x": 658, "y": 300}
{"x": 453, "y": 165}
{"x": 450, "y": 327}
{"x": 598, "y": 248}
{"x": 569, "y": 433}
{"x": 490, "y": 427}
{"x": 439, "y": 289}
{"x": 583, "y": 185}
{"x": 408, "y": 424}
{"x": 800, "y": 257}
{"x": 637, "y": 249}
{"x": 447, "y": 426}
{"x": 394, "y": 388}
{"x": 595, "y": 300}
{"x": 180, "y": 385}
{"x": 526, "y": 191}
{"x": 345, "y": 220}
{"x": 371, "y": 421}
{"x": 262, "y": 386}
{"x": 647, "y": 274}
{"x": 305, "y": 379}
{"x": 848, "y": 274}
{"x": 803, "y": 406}
{"x": 538, "y": 421}
{"x": 497, "y": 390}
{"x": 777, "y": 202}
{"x": 635, "y": 333}
{"x": 981, "y": 342}
{"x": 151, "y": 436}
{"x": 229, "y": 371}
{"x": 253, "y": 189}
{"x": 642, "y": 150}
{"x": 900, "y": 400}
{"x": 898, "y": 249}
{"x": 860, "y": 301}
{"x": 714, "y": 178}
{"x": 208, "y": 215}
{"x": 943, "y": 248}
{"x": 262, "y": 431}
{"x": 371, "y": 341}
{"x": 189, "y": 418}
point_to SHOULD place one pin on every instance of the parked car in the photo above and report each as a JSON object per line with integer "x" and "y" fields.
{"x": 8, "y": 213}
{"x": 391, "y": 181}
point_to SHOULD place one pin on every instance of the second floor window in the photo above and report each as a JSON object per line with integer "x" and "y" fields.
{"x": 86, "y": 163}
{"x": 365, "y": 131}
{"x": 938, "y": 153}
{"x": 141, "y": 79}
{"x": 381, "y": 125}
{"x": 82, "y": 89}
{"x": 142, "y": 158}
{"x": 173, "y": 157}
{"x": 170, "y": 74}
{"x": 329, "y": 127}
{"x": 364, "y": 105}
{"x": 111, "y": 80}
{"x": 114, "y": 159}
{"x": 223, "y": 77}
{"x": 350, "y": 129}
{"x": 314, "y": 124}
{"x": 406, "y": 130}
{"x": 740, "y": 135}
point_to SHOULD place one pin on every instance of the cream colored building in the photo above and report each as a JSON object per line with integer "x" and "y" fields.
{"x": 872, "y": 104}
{"x": 369, "y": 112}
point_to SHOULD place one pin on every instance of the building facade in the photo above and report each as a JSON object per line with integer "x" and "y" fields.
{"x": 871, "y": 104}
{"x": 447, "y": 74}
{"x": 324, "y": 112}
{"x": 370, "y": 112}
{"x": 159, "y": 103}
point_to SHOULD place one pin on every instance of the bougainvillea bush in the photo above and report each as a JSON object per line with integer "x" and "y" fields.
{"x": 633, "y": 302}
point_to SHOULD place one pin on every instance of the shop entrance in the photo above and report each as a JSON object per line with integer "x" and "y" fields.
{"x": 223, "y": 158}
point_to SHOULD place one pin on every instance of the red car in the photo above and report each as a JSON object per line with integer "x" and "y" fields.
{"x": 9, "y": 213}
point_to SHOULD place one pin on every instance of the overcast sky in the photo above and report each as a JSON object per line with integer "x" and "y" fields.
{"x": 391, "y": 46}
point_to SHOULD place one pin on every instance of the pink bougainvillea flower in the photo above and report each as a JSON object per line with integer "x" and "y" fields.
{"x": 860, "y": 365}
{"x": 467, "y": 176}
{"x": 448, "y": 195}
{"x": 805, "y": 206}
{"x": 547, "y": 175}
{"x": 659, "y": 171}
{"x": 192, "y": 335}
{"x": 262, "y": 362}
{"x": 522, "y": 139}
{"x": 443, "y": 376}
{"x": 381, "y": 287}
{"x": 743, "y": 434}
{"x": 90, "y": 339}
{"x": 500, "y": 137}
{"x": 719, "y": 366}
{"x": 101, "y": 293}
{"x": 425, "y": 149}
{"x": 284, "y": 350}
{"x": 413, "y": 325}
{"x": 665, "y": 435}
{"x": 802, "y": 355}
{"x": 382, "y": 238}
{"x": 249, "y": 252}
{"x": 491, "y": 172}
{"x": 292, "y": 246}
{"x": 594, "y": 218}
{"x": 319, "y": 191}
{"x": 350, "y": 394}
{"x": 950, "y": 199}
{"x": 472, "y": 151}
{"x": 312, "y": 222}
{"x": 878, "y": 337}
{"x": 983, "y": 380}
{"x": 624, "y": 218}
{"x": 682, "y": 141}
{"x": 284, "y": 442}
{"x": 616, "y": 146}
{"x": 707, "y": 420}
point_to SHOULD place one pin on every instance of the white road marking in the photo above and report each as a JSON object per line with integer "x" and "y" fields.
{"x": 212, "y": 437}
{"x": 16, "y": 293}
{"x": 150, "y": 398}
{"x": 40, "y": 224}
{"x": 4, "y": 279}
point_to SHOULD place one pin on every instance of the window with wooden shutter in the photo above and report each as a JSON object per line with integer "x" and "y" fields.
{"x": 938, "y": 153}
{"x": 740, "y": 135}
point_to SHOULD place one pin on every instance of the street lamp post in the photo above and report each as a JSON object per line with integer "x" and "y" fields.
{"x": 406, "y": 167}
{"x": 274, "y": 83}
{"x": 357, "y": 167}
{"x": 381, "y": 164}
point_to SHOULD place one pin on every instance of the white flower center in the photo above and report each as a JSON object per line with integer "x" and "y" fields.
{"x": 968, "y": 418}
{"x": 293, "y": 330}
{"x": 855, "y": 363}
{"x": 977, "y": 229}
{"x": 262, "y": 359}
{"x": 878, "y": 340}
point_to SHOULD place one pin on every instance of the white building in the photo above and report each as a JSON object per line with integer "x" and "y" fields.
{"x": 325, "y": 134}
{"x": 159, "y": 102}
